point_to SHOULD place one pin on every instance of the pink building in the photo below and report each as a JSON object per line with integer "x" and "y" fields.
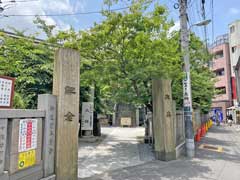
{"x": 222, "y": 68}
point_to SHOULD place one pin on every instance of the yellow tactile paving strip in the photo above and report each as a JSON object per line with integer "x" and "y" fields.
{"x": 211, "y": 147}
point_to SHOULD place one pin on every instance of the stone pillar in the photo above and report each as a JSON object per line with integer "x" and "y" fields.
{"x": 66, "y": 84}
{"x": 163, "y": 120}
{"x": 48, "y": 103}
{"x": 137, "y": 117}
{"x": 3, "y": 143}
{"x": 114, "y": 115}
{"x": 174, "y": 118}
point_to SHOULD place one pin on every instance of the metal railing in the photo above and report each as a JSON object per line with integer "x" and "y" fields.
{"x": 223, "y": 39}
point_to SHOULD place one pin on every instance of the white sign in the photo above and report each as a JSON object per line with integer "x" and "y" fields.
{"x": 126, "y": 121}
{"x": 27, "y": 135}
{"x": 5, "y": 92}
{"x": 87, "y": 116}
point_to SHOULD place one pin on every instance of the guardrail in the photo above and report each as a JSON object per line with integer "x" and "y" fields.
{"x": 27, "y": 141}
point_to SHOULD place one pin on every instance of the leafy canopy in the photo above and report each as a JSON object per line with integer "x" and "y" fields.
{"x": 119, "y": 56}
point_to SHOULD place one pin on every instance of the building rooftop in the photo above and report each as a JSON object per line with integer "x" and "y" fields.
{"x": 236, "y": 21}
{"x": 222, "y": 39}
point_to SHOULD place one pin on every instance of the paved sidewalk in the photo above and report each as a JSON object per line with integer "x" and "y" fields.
{"x": 121, "y": 148}
{"x": 207, "y": 165}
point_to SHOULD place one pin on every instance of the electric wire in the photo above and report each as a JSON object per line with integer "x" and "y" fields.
{"x": 212, "y": 9}
{"x": 70, "y": 14}
{"x": 193, "y": 17}
{"x": 18, "y": 1}
{"x": 201, "y": 29}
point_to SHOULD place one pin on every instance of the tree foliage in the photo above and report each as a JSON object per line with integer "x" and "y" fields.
{"x": 30, "y": 63}
{"x": 127, "y": 50}
{"x": 119, "y": 56}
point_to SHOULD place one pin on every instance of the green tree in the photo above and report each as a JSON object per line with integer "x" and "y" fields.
{"x": 127, "y": 50}
{"x": 123, "y": 53}
{"x": 202, "y": 78}
{"x": 31, "y": 63}
{"x": 119, "y": 56}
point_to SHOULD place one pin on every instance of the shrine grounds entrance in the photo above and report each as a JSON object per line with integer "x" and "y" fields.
{"x": 42, "y": 144}
{"x": 117, "y": 148}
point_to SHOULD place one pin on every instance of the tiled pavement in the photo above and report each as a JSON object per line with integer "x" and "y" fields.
{"x": 207, "y": 165}
{"x": 122, "y": 147}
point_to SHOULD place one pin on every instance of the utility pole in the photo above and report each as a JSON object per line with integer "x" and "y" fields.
{"x": 187, "y": 95}
{"x": 204, "y": 18}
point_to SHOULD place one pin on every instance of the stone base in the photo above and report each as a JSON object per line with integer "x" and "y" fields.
{"x": 148, "y": 140}
{"x": 89, "y": 139}
{"x": 165, "y": 156}
{"x": 53, "y": 177}
{"x": 180, "y": 150}
{"x": 4, "y": 176}
{"x": 87, "y": 133}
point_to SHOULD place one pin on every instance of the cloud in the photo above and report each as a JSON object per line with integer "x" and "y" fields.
{"x": 234, "y": 11}
{"x": 42, "y": 7}
{"x": 176, "y": 27}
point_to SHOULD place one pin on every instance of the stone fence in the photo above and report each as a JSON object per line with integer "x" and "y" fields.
{"x": 198, "y": 120}
{"x": 27, "y": 141}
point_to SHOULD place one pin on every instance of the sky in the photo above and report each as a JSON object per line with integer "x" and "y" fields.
{"x": 225, "y": 12}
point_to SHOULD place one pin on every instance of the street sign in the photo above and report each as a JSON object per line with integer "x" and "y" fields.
{"x": 6, "y": 91}
{"x": 87, "y": 116}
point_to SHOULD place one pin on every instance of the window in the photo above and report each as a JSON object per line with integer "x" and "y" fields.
{"x": 220, "y": 90}
{"x": 234, "y": 48}
{"x": 219, "y": 54}
{"x": 232, "y": 29}
{"x": 220, "y": 72}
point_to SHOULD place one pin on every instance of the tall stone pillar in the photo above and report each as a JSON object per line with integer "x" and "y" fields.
{"x": 163, "y": 120}
{"x": 66, "y": 84}
{"x": 137, "y": 117}
{"x": 114, "y": 115}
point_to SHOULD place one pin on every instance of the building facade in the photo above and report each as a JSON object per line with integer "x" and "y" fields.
{"x": 221, "y": 66}
{"x": 234, "y": 49}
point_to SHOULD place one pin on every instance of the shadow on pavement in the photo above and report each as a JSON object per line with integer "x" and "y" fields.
{"x": 113, "y": 153}
{"x": 156, "y": 170}
{"x": 207, "y": 164}
{"x": 218, "y": 138}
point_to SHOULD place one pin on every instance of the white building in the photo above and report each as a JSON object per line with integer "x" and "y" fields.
{"x": 234, "y": 47}
{"x": 234, "y": 43}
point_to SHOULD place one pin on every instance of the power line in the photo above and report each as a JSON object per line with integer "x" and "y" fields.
{"x": 66, "y": 14}
{"x": 70, "y": 14}
{"x": 192, "y": 17}
{"x": 13, "y": 1}
{"x": 212, "y": 9}
{"x": 204, "y": 18}
{"x": 199, "y": 18}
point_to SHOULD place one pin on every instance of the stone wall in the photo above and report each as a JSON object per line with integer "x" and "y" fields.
{"x": 125, "y": 111}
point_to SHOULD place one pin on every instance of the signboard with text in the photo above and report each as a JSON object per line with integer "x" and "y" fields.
{"x": 26, "y": 159}
{"x": 6, "y": 91}
{"x": 27, "y": 135}
{"x": 87, "y": 116}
